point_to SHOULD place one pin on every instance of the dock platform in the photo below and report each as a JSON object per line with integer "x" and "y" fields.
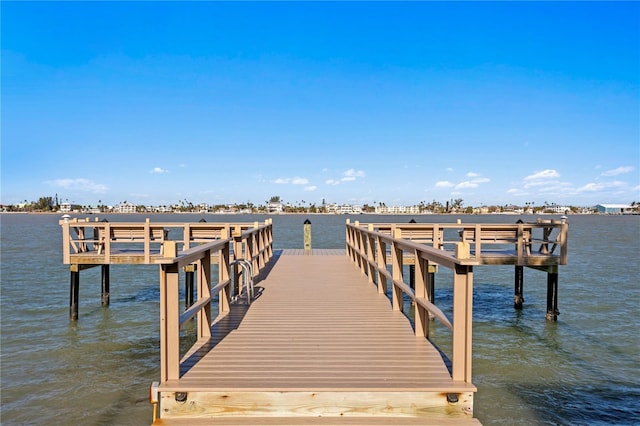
{"x": 314, "y": 337}
{"x": 318, "y": 345}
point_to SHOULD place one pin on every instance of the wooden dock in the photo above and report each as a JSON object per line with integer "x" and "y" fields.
{"x": 315, "y": 337}
{"x": 318, "y": 343}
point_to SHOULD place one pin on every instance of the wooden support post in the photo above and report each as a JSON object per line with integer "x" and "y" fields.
{"x": 431, "y": 287}
{"x": 169, "y": 323}
{"x": 462, "y": 323}
{"x": 412, "y": 268}
{"x": 74, "y": 291}
{"x": 396, "y": 271}
{"x": 412, "y": 275}
{"x": 307, "y": 235}
{"x": 106, "y": 294}
{"x": 552, "y": 294}
{"x": 188, "y": 285}
{"x": 518, "y": 295}
{"x": 204, "y": 291}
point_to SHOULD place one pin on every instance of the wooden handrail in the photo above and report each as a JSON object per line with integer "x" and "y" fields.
{"x": 171, "y": 320}
{"x": 102, "y": 239}
{"x": 375, "y": 246}
{"x": 367, "y": 246}
{"x": 546, "y": 237}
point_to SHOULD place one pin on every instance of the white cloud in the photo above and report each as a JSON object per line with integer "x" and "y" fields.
{"x": 444, "y": 184}
{"x": 474, "y": 183}
{"x": 158, "y": 170}
{"x": 618, "y": 171}
{"x": 591, "y": 187}
{"x": 293, "y": 181}
{"x": 83, "y": 185}
{"x": 347, "y": 176}
{"x": 311, "y": 188}
{"x": 543, "y": 175}
{"x": 543, "y": 178}
{"x": 472, "y": 174}
{"x": 351, "y": 173}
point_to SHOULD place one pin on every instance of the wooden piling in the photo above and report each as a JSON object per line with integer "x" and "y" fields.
{"x": 552, "y": 295}
{"x": 518, "y": 296}
{"x": 74, "y": 290}
{"x": 105, "y": 294}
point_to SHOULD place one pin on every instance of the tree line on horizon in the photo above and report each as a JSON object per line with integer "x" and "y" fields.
{"x": 53, "y": 204}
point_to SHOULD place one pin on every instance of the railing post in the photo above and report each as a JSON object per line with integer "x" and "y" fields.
{"x": 307, "y": 236}
{"x": 66, "y": 243}
{"x": 147, "y": 242}
{"x": 381, "y": 256}
{"x": 169, "y": 323}
{"x": 224, "y": 299}
{"x": 237, "y": 254}
{"x": 396, "y": 270}
{"x": 204, "y": 291}
{"x": 269, "y": 224}
{"x": 421, "y": 276}
{"x": 255, "y": 254}
{"x": 371, "y": 254}
{"x": 349, "y": 239}
{"x": 562, "y": 239}
{"x": 462, "y": 322}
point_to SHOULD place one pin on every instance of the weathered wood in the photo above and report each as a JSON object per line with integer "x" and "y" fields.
{"x": 552, "y": 295}
{"x": 518, "y": 296}
{"x": 318, "y": 421}
{"x": 106, "y": 285}
{"x": 309, "y": 404}
{"x": 74, "y": 292}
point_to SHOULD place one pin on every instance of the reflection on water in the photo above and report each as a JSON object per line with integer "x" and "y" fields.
{"x": 582, "y": 369}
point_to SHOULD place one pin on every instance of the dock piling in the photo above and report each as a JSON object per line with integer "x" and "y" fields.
{"x": 74, "y": 290}
{"x": 518, "y": 296}
{"x": 106, "y": 295}
{"x": 552, "y": 295}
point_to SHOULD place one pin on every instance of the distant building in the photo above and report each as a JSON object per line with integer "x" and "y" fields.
{"x": 125, "y": 208}
{"x": 398, "y": 209}
{"x": 614, "y": 208}
{"x": 275, "y": 207}
{"x": 559, "y": 209}
{"x": 65, "y": 207}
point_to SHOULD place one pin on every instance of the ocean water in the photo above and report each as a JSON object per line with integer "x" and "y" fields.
{"x": 583, "y": 369}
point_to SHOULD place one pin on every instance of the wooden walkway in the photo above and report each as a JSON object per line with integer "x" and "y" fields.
{"x": 318, "y": 345}
{"x": 325, "y": 339}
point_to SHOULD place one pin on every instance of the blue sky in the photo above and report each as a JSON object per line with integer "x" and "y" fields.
{"x": 350, "y": 102}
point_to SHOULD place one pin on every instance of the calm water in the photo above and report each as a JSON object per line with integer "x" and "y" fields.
{"x": 583, "y": 369}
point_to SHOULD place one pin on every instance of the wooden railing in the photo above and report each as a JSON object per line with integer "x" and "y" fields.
{"x": 101, "y": 239}
{"x": 527, "y": 241}
{"x": 368, "y": 248}
{"x": 254, "y": 245}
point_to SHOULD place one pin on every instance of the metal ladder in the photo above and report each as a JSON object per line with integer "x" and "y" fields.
{"x": 247, "y": 278}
